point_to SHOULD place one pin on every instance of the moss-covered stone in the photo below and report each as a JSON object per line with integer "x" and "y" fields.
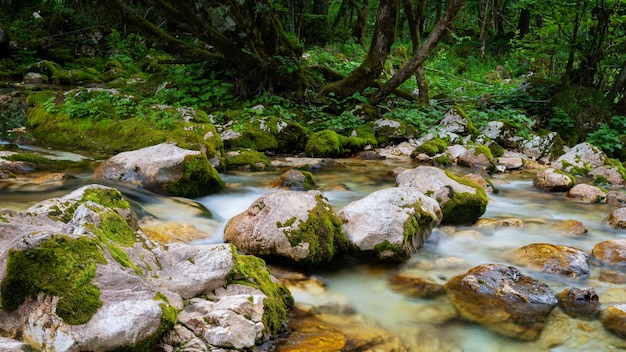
{"x": 464, "y": 208}
{"x": 115, "y": 133}
{"x": 249, "y": 160}
{"x": 251, "y": 271}
{"x": 28, "y": 158}
{"x": 330, "y": 144}
{"x": 198, "y": 178}
{"x": 168, "y": 320}
{"x": 61, "y": 266}
{"x": 107, "y": 197}
{"x": 322, "y": 231}
{"x": 432, "y": 147}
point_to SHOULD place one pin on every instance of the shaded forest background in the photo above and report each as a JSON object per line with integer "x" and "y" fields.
{"x": 337, "y": 64}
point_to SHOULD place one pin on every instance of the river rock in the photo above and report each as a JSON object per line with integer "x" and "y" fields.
{"x": 510, "y": 163}
{"x": 502, "y": 299}
{"x": 164, "y": 169}
{"x": 542, "y": 146}
{"x": 477, "y": 158}
{"x": 496, "y": 223}
{"x": 461, "y": 201}
{"x": 549, "y": 258}
{"x": 616, "y": 198}
{"x": 608, "y": 176}
{"x": 295, "y": 180}
{"x": 611, "y": 253}
{"x": 587, "y": 194}
{"x": 76, "y": 277}
{"x": 391, "y": 131}
{"x": 298, "y": 226}
{"x": 390, "y": 224}
{"x": 617, "y": 219}
{"x": 505, "y": 134}
{"x": 553, "y": 180}
{"x": 416, "y": 286}
{"x": 572, "y": 227}
{"x": 34, "y": 78}
{"x": 455, "y": 121}
{"x": 613, "y": 319}
{"x": 308, "y": 331}
{"x": 581, "y": 159}
{"x": 579, "y": 302}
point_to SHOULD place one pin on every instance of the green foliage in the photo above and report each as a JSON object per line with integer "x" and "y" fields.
{"x": 12, "y": 116}
{"x": 607, "y": 137}
{"x": 195, "y": 86}
{"x": 60, "y": 266}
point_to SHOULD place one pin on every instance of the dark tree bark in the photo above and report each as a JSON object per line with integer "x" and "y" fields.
{"x": 370, "y": 69}
{"x": 619, "y": 85}
{"x": 440, "y": 29}
{"x": 359, "y": 26}
{"x": 523, "y": 24}
{"x": 423, "y": 96}
{"x": 260, "y": 54}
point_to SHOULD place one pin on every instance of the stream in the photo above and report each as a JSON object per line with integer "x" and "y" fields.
{"x": 421, "y": 324}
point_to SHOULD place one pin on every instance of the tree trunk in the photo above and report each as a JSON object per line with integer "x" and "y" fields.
{"x": 523, "y": 25}
{"x": 483, "y": 28}
{"x": 370, "y": 69}
{"x": 423, "y": 96}
{"x": 619, "y": 85}
{"x": 358, "y": 29}
{"x": 440, "y": 29}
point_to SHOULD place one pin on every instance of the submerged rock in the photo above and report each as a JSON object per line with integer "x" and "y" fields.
{"x": 390, "y": 224}
{"x": 502, "y": 299}
{"x": 301, "y": 227}
{"x": 579, "y": 302}
{"x": 295, "y": 180}
{"x": 617, "y": 219}
{"x": 461, "y": 201}
{"x": 611, "y": 253}
{"x": 613, "y": 319}
{"x": 549, "y": 258}
{"x": 164, "y": 169}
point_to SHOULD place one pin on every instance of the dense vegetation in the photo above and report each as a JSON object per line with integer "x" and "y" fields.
{"x": 327, "y": 64}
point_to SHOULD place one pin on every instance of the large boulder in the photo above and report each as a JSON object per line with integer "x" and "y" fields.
{"x": 164, "y": 169}
{"x": 502, "y": 299}
{"x": 554, "y": 180}
{"x": 542, "y": 146}
{"x": 456, "y": 121}
{"x": 390, "y": 224}
{"x": 461, "y": 201}
{"x": 549, "y": 258}
{"x": 301, "y": 227}
{"x": 581, "y": 159}
{"x": 74, "y": 276}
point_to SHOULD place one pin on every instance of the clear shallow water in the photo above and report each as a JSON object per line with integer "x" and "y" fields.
{"x": 422, "y": 324}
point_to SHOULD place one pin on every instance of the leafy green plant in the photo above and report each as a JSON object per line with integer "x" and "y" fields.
{"x": 607, "y": 137}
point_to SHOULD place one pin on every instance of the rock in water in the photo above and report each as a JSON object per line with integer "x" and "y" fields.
{"x": 502, "y": 299}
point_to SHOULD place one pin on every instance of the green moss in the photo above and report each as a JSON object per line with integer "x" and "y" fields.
{"x": 199, "y": 178}
{"x": 470, "y": 128}
{"x": 443, "y": 160}
{"x": 309, "y": 181}
{"x": 330, "y": 144}
{"x": 252, "y": 159}
{"x": 251, "y": 271}
{"x": 62, "y": 267}
{"x": 39, "y": 98}
{"x": 323, "y": 144}
{"x": 107, "y": 197}
{"x": 432, "y": 147}
{"x": 496, "y": 150}
{"x": 28, "y": 158}
{"x": 464, "y": 208}
{"x": 322, "y": 231}
{"x": 387, "y": 246}
{"x": 620, "y": 167}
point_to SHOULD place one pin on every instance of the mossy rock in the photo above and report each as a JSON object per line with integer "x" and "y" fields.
{"x": 432, "y": 147}
{"x": 199, "y": 178}
{"x": 53, "y": 127}
{"x": 77, "y": 76}
{"x": 251, "y": 271}
{"x": 330, "y": 144}
{"x": 60, "y": 266}
{"x": 392, "y": 131}
{"x": 464, "y": 208}
{"x": 270, "y": 134}
{"x": 248, "y": 160}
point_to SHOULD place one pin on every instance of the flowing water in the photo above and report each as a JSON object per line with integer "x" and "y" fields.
{"x": 421, "y": 324}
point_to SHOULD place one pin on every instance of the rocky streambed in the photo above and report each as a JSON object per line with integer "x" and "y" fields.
{"x": 393, "y": 254}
